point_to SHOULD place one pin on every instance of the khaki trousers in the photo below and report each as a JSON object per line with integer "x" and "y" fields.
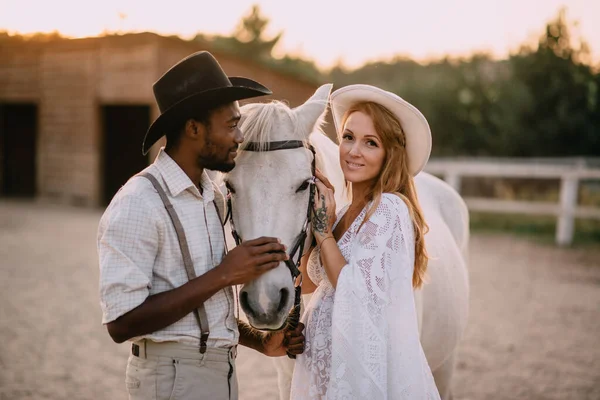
{"x": 173, "y": 371}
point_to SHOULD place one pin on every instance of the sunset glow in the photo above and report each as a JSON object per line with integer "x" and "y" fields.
{"x": 324, "y": 31}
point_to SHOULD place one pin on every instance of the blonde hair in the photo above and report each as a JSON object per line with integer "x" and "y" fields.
{"x": 395, "y": 178}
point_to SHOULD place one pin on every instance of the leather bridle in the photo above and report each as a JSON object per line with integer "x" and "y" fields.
{"x": 299, "y": 243}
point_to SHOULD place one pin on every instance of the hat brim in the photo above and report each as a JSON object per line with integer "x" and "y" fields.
{"x": 414, "y": 124}
{"x": 242, "y": 88}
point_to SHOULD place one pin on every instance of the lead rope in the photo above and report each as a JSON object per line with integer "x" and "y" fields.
{"x": 294, "y": 317}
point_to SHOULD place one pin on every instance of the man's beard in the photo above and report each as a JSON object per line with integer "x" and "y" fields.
{"x": 215, "y": 165}
{"x": 210, "y": 161}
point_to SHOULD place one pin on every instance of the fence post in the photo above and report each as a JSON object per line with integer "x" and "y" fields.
{"x": 568, "y": 202}
{"x": 453, "y": 179}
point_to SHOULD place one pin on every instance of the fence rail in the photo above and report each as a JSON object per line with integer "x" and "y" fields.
{"x": 569, "y": 171}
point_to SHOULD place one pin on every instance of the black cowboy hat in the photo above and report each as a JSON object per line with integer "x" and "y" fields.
{"x": 195, "y": 83}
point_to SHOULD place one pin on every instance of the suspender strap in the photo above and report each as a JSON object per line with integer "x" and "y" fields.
{"x": 200, "y": 312}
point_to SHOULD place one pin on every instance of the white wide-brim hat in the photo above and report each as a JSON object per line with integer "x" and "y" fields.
{"x": 415, "y": 126}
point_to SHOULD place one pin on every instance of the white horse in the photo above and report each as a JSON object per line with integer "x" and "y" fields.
{"x": 269, "y": 200}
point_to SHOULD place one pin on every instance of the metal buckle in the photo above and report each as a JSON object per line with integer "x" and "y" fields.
{"x": 203, "y": 339}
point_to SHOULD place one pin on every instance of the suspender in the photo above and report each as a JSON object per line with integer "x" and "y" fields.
{"x": 200, "y": 312}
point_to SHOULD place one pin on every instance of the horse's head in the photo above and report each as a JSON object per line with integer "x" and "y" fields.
{"x": 270, "y": 193}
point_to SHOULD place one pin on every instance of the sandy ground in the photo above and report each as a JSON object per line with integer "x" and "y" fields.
{"x": 534, "y": 328}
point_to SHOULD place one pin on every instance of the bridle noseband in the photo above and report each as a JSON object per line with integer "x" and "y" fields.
{"x": 298, "y": 246}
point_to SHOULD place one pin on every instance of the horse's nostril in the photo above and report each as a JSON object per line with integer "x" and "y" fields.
{"x": 283, "y": 300}
{"x": 245, "y": 303}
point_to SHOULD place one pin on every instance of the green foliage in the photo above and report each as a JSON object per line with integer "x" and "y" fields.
{"x": 541, "y": 228}
{"x": 37, "y": 37}
{"x": 301, "y": 68}
{"x": 542, "y": 101}
{"x": 566, "y": 113}
{"x": 249, "y": 41}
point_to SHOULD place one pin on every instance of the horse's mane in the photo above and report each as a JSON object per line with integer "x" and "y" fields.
{"x": 258, "y": 120}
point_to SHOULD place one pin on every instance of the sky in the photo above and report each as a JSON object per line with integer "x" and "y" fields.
{"x": 325, "y": 31}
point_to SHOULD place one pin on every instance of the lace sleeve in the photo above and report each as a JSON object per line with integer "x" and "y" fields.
{"x": 376, "y": 352}
{"x": 380, "y": 254}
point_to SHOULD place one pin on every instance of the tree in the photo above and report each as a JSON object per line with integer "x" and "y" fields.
{"x": 250, "y": 35}
{"x": 542, "y": 101}
{"x": 563, "y": 119}
{"x": 248, "y": 39}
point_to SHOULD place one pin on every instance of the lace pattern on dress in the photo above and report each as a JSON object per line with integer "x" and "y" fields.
{"x": 366, "y": 343}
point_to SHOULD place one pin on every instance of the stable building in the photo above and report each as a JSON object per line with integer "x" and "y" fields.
{"x": 73, "y": 113}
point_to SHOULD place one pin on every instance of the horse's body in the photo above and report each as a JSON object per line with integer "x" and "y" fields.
{"x": 442, "y": 304}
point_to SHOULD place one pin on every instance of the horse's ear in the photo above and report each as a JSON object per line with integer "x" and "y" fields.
{"x": 312, "y": 112}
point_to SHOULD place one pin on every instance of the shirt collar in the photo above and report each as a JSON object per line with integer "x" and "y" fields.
{"x": 177, "y": 181}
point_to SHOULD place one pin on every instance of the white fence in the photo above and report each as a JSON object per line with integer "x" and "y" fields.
{"x": 569, "y": 171}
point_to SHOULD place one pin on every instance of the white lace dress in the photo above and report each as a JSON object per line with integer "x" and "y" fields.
{"x": 365, "y": 344}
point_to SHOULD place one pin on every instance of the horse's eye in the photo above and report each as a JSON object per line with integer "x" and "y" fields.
{"x": 229, "y": 187}
{"x": 303, "y": 187}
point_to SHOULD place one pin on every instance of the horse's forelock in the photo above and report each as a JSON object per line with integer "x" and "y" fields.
{"x": 259, "y": 119}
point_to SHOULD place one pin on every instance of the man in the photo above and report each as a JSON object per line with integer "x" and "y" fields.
{"x": 165, "y": 282}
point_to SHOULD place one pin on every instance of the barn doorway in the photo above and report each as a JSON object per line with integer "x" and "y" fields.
{"x": 18, "y": 149}
{"x": 124, "y": 128}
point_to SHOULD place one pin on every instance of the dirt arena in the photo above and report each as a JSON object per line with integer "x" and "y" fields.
{"x": 534, "y": 328}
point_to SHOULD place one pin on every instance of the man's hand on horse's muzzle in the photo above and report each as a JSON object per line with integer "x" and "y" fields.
{"x": 251, "y": 259}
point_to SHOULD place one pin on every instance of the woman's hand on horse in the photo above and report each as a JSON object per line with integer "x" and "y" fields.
{"x": 251, "y": 259}
{"x": 319, "y": 175}
{"x": 323, "y": 216}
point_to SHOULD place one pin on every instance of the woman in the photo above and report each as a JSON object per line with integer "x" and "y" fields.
{"x": 362, "y": 339}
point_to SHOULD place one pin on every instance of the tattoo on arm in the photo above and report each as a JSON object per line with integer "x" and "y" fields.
{"x": 319, "y": 218}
